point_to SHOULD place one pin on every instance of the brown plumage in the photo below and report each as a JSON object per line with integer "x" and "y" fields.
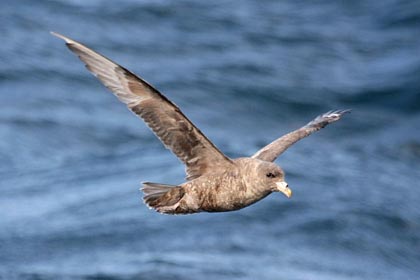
{"x": 215, "y": 183}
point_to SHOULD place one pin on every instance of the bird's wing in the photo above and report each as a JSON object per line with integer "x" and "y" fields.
{"x": 166, "y": 120}
{"x": 277, "y": 147}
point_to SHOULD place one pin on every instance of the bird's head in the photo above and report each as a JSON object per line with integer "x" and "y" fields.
{"x": 272, "y": 176}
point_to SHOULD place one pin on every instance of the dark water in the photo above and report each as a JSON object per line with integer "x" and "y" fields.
{"x": 72, "y": 157}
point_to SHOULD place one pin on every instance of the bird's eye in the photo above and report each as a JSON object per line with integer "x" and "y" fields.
{"x": 270, "y": 175}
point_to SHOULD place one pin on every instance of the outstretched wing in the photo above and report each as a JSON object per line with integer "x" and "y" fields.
{"x": 165, "y": 119}
{"x": 277, "y": 147}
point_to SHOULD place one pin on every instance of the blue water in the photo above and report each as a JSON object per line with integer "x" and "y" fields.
{"x": 72, "y": 157}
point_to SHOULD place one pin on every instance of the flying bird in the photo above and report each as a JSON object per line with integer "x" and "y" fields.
{"x": 214, "y": 182}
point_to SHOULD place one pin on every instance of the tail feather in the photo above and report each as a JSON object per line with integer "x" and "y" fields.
{"x": 152, "y": 190}
{"x": 163, "y": 198}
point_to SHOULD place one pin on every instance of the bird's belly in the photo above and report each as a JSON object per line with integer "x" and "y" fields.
{"x": 229, "y": 199}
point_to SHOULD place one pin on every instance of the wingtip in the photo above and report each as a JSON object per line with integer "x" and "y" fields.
{"x": 339, "y": 112}
{"x": 58, "y": 35}
{"x": 345, "y": 111}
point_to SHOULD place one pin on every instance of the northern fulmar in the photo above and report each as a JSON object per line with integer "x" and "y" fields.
{"x": 214, "y": 182}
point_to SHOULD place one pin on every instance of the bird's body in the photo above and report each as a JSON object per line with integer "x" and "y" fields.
{"x": 225, "y": 190}
{"x": 215, "y": 183}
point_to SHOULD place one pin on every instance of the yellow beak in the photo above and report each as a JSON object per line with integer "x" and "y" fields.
{"x": 284, "y": 188}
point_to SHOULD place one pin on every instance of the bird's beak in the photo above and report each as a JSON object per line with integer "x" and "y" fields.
{"x": 284, "y": 188}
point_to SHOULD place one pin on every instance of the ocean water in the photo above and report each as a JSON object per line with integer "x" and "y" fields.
{"x": 245, "y": 72}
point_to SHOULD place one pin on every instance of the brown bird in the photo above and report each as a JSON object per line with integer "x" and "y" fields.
{"x": 214, "y": 182}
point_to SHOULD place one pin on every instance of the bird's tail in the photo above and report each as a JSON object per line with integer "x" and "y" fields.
{"x": 163, "y": 198}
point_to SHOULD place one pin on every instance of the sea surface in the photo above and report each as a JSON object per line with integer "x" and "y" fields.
{"x": 72, "y": 157}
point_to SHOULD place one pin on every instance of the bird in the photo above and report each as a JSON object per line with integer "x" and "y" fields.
{"x": 214, "y": 182}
